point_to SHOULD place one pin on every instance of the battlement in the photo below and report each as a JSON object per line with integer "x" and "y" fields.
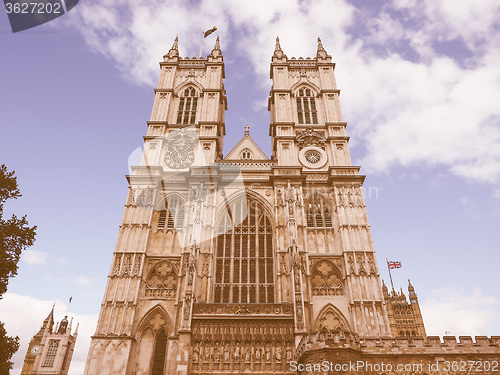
{"x": 433, "y": 345}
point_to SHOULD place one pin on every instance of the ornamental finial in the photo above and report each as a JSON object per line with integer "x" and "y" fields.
{"x": 321, "y": 50}
{"x": 277, "y": 49}
{"x": 174, "y": 50}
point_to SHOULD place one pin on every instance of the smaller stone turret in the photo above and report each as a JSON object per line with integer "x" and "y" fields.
{"x": 405, "y": 318}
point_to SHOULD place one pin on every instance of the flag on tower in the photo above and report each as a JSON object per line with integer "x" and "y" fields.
{"x": 208, "y": 32}
{"x": 393, "y": 264}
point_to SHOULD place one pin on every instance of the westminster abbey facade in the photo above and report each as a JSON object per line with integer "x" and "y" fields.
{"x": 249, "y": 264}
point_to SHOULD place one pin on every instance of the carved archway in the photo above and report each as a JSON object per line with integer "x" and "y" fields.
{"x": 331, "y": 319}
{"x": 326, "y": 279}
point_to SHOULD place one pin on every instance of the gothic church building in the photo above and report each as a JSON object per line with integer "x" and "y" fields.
{"x": 248, "y": 265}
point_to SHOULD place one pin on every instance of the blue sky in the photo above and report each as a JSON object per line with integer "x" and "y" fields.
{"x": 420, "y": 91}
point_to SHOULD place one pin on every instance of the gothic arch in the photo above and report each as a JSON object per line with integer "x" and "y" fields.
{"x": 331, "y": 319}
{"x": 184, "y": 85}
{"x": 304, "y": 83}
{"x": 248, "y": 195}
{"x": 326, "y": 278}
{"x": 155, "y": 319}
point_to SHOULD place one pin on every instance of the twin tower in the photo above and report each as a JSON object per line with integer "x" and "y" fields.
{"x": 244, "y": 263}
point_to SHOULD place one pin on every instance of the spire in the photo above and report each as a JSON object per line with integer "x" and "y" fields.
{"x": 410, "y": 287}
{"x": 216, "y": 52}
{"x": 321, "y": 50}
{"x": 277, "y": 49}
{"x": 48, "y": 322}
{"x": 384, "y": 287}
{"x": 174, "y": 50}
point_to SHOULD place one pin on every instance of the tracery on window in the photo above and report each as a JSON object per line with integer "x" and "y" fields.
{"x": 162, "y": 280}
{"x": 172, "y": 216}
{"x": 187, "y": 107}
{"x": 51, "y": 353}
{"x": 306, "y": 107}
{"x": 326, "y": 279}
{"x": 244, "y": 265}
{"x": 318, "y": 212}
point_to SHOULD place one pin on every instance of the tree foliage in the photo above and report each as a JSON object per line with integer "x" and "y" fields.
{"x": 15, "y": 236}
{"x": 8, "y": 346}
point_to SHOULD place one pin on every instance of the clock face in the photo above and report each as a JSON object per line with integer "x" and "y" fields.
{"x": 35, "y": 349}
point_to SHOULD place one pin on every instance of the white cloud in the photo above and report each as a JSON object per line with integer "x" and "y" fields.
{"x": 83, "y": 281}
{"x": 460, "y": 314}
{"x": 77, "y": 280}
{"x": 35, "y": 257}
{"x": 23, "y": 317}
{"x": 435, "y": 109}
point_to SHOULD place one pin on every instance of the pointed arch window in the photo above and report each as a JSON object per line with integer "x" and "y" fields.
{"x": 188, "y": 104}
{"x": 173, "y": 215}
{"x": 306, "y": 107}
{"x": 159, "y": 353}
{"x": 244, "y": 266}
{"x": 319, "y": 213}
{"x": 246, "y": 155}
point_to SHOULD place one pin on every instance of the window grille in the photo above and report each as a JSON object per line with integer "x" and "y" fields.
{"x": 173, "y": 215}
{"x": 187, "y": 107}
{"x": 51, "y": 353}
{"x": 319, "y": 214}
{"x": 244, "y": 250}
{"x": 306, "y": 107}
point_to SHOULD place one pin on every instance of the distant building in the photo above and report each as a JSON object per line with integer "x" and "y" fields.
{"x": 245, "y": 264}
{"x": 51, "y": 349}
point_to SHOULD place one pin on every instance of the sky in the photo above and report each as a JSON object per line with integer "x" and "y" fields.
{"x": 420, "y": 91}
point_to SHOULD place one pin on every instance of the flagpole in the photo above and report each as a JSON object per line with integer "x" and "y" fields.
{"x": 390, "y": 276}
{"x": 201, "y": 45}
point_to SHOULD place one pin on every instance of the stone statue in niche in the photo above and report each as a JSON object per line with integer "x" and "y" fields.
{"x": 227, "y": 354}
{"x": 278, "y": 354}
{"x": 268, "y": 354}
{"x": 257, "y": 355}
{"x": 248, "y": 355}
{"x": 237, "y": 353}
{"x": 216, "y": 355}
{"x": 196, "y": 355}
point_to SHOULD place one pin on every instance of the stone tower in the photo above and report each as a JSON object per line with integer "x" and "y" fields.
{"x": 405, "y": 317}
{"x": 50, "y": 350}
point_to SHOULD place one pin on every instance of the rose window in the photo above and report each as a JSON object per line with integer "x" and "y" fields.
{"x": 313, "y": 156}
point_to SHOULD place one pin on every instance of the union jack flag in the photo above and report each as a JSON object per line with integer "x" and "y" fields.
{"x": 393, "y": 264}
